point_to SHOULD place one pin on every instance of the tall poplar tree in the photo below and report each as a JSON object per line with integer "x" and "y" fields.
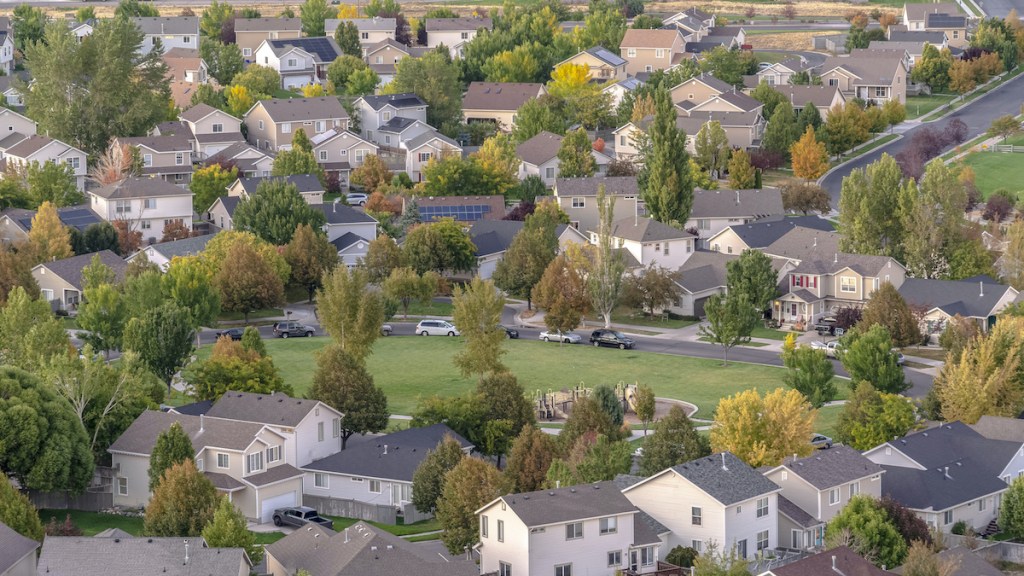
{"x": 666, "y": 183}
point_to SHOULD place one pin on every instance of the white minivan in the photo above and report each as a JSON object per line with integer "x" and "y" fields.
{"x": 436, "y": 328}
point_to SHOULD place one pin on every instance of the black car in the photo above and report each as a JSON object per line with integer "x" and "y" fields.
{"x": 825, "y": 326}
{"x": 509, "y": 332}
{"x": 233, "y": 333}
{"x": 612, "y": 338}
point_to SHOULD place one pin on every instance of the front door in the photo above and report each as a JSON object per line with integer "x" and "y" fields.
{"x": 396, "y": 493}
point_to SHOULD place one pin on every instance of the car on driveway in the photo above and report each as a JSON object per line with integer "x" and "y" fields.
{"x": 289, "y": 329}
{"x": 233, "y": 333}
{"x": 825, "y": 326}
{"x": 612, "y": 338}
{"x": 509, "y": 332}
{"x": 821, "y": 442}
{"x": 356, "y": 199}
{"x": 436, "y": 328}
{"x": 556, "y": 336}
{"x": 300, "y": 516}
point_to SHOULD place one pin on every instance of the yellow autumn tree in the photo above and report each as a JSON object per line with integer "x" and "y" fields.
{"x": 986, "y": 379}
{"x": 48, "y": 239}
{"x": 810, "y": 160}
{"x": 762, "y": 431}
{"x": 568, "y": 79}
{"x": 313, "y": 90}
{"x": 346, "y": 11}
{"x": 239, "y": 100}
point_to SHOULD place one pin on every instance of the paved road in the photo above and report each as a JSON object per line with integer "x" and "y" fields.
{"x": 978, "y": 115}
{"x": 1000, "y": 8}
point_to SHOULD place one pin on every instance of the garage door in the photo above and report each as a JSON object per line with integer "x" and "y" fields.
{"x": 275, "y": 502}
{"x": 698, "y": 307}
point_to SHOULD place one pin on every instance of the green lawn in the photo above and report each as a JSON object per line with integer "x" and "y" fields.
{"x": 630, "y": 317}
{"x": 918, "y": 106}
{"x": 995, "y": 170}
{"x": 92, "y": 523}
{"x": 69, "y": 323}
{"x": 398, "y": 530}
{"x": 828, "y": 416}
{"x": 769, "y": 333}
{"x": 432, "y": 308}
{"x": 412, "y": 368}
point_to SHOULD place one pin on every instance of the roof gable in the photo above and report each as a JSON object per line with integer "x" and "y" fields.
{"x": 721, "y": 476}
{"x": 572, "y": 503}
{"x": 274, "y": 409}
{"x": 70, "y": 269}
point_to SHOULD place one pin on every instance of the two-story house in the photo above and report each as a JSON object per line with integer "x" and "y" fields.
{"x": 617, "y": 91}
{"x": 585, "y": 529}
{"x": 937, "y": 17}
{"x": 454, "y": 33}
{"x": 692, "y": 23}
{"x": 650, "y": 242}
{"x": 877, "y": 77}
{"x": 271, "y": 123}
{"x": 371, "y": 30}
{"x": 44, "y": 149}
{"x": 716, "y": 499}
{"x": 743, "y": 129}
{"x": 299, "y": 61}
{"x": 393, "y": 133}
{"x": 949, "y": 474}
{"x": 251, "y": 32}
{"x": 650, "y": 50}
{"x": 699, "y": 89}
{"x": 577, "y": 197}
{"x": 539, "y": 157}
{"x": 819, "y": 486}
{"x": 61, "y": 283}
{"x": 9, "y": 89}
{"x": 716, "y": 210}
{"x": 146, "y": 204}
{"x": 760, "y": 234}
{"x": 498, "y": 102}
{"x": 213, "y": 130}
{"x": 168, "y": 156}
{"x": 186, "y": 65}
{"x": 778, "y": 73}
{"x": 169, "y": 31}
{"x": 384, "y": 56}
{"x": 250, "y": 462}
{"x": 7, "y": 51}
{"x": 340, "y": 151}
{"x": 376, "y": 110}
{"x": 423, "y": 148}
{"x": 603, "y": 64}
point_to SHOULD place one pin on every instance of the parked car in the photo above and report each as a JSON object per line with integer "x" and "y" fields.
{"x": 300, "y": 516}
{"x": 356, "y": 199}
{"x": 509, "y": 332}
{"x": 436, "y": 328}
{"x": 900, "y": 359}
{"x": 289, "y": 329}
{"x": 825, "y": 326}
{"x": 612, "y": 338}
{"x": 821, "y": 442}
{"x": 386, "y": 330}
{"x": 556, "y": 336}
{"x": 233, "y": 333}
{"x": 831, "y": 347}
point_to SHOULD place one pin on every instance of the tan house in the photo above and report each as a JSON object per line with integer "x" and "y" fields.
{"x": 744, "y": 129}
{"x": 539, "y": 157}
{"x": 186, "y": 65}
{"x": 168, "y": 156}
{"x": 777, "y": 73}
{"x": 61, "y": 283}
{"x": 824, "y": 98}
{"x": 872, "y": 76}
{"x": 760, "y": 234}
{"x": 14, "y": 128}
{"x": 650, "y": 50}
{"x": 577, "y": 197}
{"x": 423, "y": 148}
{"x": 213, "y": 130}
{"x": 271, "y": 123}
{"x": 251, "y": 32}
{"x": 978, "y": 300}
{"x": 384, "y": 55}
{"x": 341, "y": 151}
{"x": 371, "y": 30}
{"x": 454, "y": 33}
{"x": 604, "y": 65}
{"x": 716, "y": 210}
{"x": 953, "y": 25}
{"x": 699, "y": 89}
{"x": 308, "y": 186}
{"x": 498, "y": 101}
{"x": 626, "y": 138}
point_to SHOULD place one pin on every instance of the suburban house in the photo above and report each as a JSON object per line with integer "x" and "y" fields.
{"x": 162, "y": 253}
{"x": 824, "y": 98}
{"x": 9, "y": 90}
{"x": 61, "y": 283}
{"x": 251, "y": 32}
{"x": 949, "y": 474}
{"x": 463, "y": 209}
{"x": 212, "y": 130}
{"x": 375, "y": 470}
{"x": 977, "y": 299}
{"x": 618, "y": 90}
{"x": 914, "y": 49}
{"x": 937, "y": 17}
{"x": 577, "y": 197}
{"x": 820, "y": 485}
{"x": 493, "y": 237}
{"x": 805, "y": 243}
{"x": 15, "y": 223}
{"x": 650, "y": 50}
{"x": 498, "y": 101}
{"x": 584, "y": 529}
{"x": 271, "y": 123}
{"x": 371, "y": 30}
{"x": 7, "y": 51}
{"x": 341, "y": 151}
{"x": 393, "y": 133}
{"x": 308, "y": 185}
{"x": 17, "y": 553}
{"x": 716, "y": 210}
{"x": 14, "y": 128}
{"x": 126, "y": 554}
{"x": 422, "y": 148}
{"x": 539, "y": 157}
{"x": 359, "y": 550}
{"x": 167, "y": 157}
{"x": 249, "y": 160}
{"x": 351, "y": 248}
{"x": 650, "y": 242}
{"x": 377, "y": 110}
{"x": 760, "y": 234}
{"x": 718, "y": 498}
{"x": 147, "y": 204}
{"x": 249, "y": 462}
{"x": 699, "y": 89}
{"x": 692, "y": 23}
{"x": 454, "y": 33}
{"x": 384, "y": 55}
{"x": 703, "y": 275}
{"x": 187, "y": 71}
{"x": 626, "y": 137}
{"x": 44, "y": 149}
{"x": 170, "y": 31}
{"x": 604, "y": 65}
{"x": 222, "y": 212}
{"x": 873, "y": 76}
{"x": 899, "y": 33}
{"x": 777, "y": 73}
{"x": 299, "y": 61}
{"x": 839, "y": 560}
{"x": 744, "y": 129}
{"x": 343, "y": 219}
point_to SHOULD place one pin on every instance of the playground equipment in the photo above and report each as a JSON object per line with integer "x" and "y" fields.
{"x": 557, "y": 404}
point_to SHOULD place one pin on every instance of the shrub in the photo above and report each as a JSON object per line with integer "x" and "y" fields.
{"x": 959, "y": 528}
{"x": 681, "y": 556}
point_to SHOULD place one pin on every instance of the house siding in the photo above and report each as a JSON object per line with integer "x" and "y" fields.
{"x": 345, "y": 487}
{"x": 136, "y": 470}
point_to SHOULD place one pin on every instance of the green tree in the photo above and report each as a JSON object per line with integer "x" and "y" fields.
{"x": 260, "y": 81}
{"x": 229, "y": 529}
{"x": 100, "y": 236}
{"x": 501, "y": 398}
{"x": 575, "y": 156}
{"x": 712, "y": 148}
{"x": 468, "y": 486}
{"x": 867, "y": 356}
{"x": 225, "y": 61}
{"x": 382, "y": 256}
{"x": 17, "y": 511}
{"x": 602, "y": 460}
{"x": 233, "y": 367}
{"x": 753, "y": 275}
{"x": 762, "y": 431}
{"x": 528, "y": 256}
{"x": 30, "y": 24}
{"x": 871, "y": 418}
{"x": 933, "y": 68}
{"x": 213, "y": 18}
{"x": 562, "y": 293}
{"x": 536, "y": 115}
{"x": 610, "y": 402}
{"x": 350, "y": 312}
{"x": 29, "y": 333}
{"x": 51, "y": 182}
{"x": 665, "y": 181}
{"x": 310, "y": 256}
{"x": 783, "y": 130}
{"x": 529, "y": 459}
{"x": 604, "y": 283}
{"x": 674, "y": 441}
{"x": 134, "y": 8}
{"x": 103, "y": 315}
{"x": 476, "y": 310}
{"x": 339, "y": 71}
{"x": 247, "y": 282}
{"x": 730, "y": 320}
{"x": 313, "y": 13}
{"x": 741, "y": 172}
{"x": 452, "y": 175}
{"x": 347, "y": 37}
{"x": 844, "y": 128}
{"x": 869, "y": 211}
{"x": 499, "y": 162}
{"x": 162, "y": 337}
{"x": 931, "y": 216}
{"x": 810, "y": 373}
{"x": 644, "y": 404}
{"x": 428, "y": 479}
{"x": 173, "y": 446}
{"x": 435, "y": 79}
{"x": 604, "y": 27}
{"x": 406, "y": 286}
{"x": 182, "y": 504}
{"x": 770, "y": 98}
{"x": 652, "y": 290}
{"x": 251, "y": 340}
{"x": 189, "y": 283}
{"x": 720, "y": 563}
{"x": 1004, "y": 127}
{"x": 886, "y": 307}
{"x": 295, "y": 161}
{"x": 363, "y": 81}
{"x": 866, "y": 528}
{"x": 986, "y": 378}
{"x": 341, "y": 382}
{"x": 728, "y": 65}
{"x": 440, "y": 246}
{"x": 1011, "y": 516}
{"x": 143, "y": 291}
{"x": 587, "y": 417}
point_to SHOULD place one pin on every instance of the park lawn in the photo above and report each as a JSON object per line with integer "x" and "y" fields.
{"x": 828, "y": 416}
{"x": 918, "y": 106}
{"x": 92, "y": 523}
{"x": 632, "y": 318}
{"x": 432, "y": 308}
{"x": 408, "y": 369}
{"x": 995, "y": 170}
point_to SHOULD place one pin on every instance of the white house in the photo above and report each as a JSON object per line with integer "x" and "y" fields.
{"x": 171, "y": 31}
{"x": 162, "y": 253}
{"x": 539, "y": 156}
{"x": 454, "y": 33}
{"x": 377, "y": 110}
{"x": 420, "y": 150}
{"x": 341, "y": 151}
{"x": 44, "y": 149}
{"x": 146, "y": 204}
{"x": 6, "y": 52}
{"x": 299, "y": 61}
{"x": 650, "y": 241}
{"x": 716, "y": 210}
{"x": 213, "y": 130}
{"x": 342, "y": 219}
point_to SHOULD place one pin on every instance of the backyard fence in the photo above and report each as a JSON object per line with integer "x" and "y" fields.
{"x": 1006, "y": 148}
{"x": 91, "y": 501}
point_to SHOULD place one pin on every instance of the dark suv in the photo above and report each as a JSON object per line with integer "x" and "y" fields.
{"x": 611, "y": 338}
{"x": 287, "y": 329}
{"x": 825, "y": 326}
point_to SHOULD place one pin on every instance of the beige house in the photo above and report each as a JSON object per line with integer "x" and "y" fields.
{"x": 778, "y": 73}
{"x": 186, "y": 65}
{"x": 824, "y": 98}
{"x": 953, "y": 25}
{"x": 498, "y": 102}
{"x": 341, "y": 151}
{"x": 627, "y": 138}
{"x": 308, "y": 186}
{"x": 14, "y": 128}
{"x": 818, "y": 288}
{"x": 148, "y": 205}
{"x": 604, "y": 66}
{"x": 716, "y": 210}
{"x": 872, "y": 76}
{"x": 251, "y": 32}
{"x": 213, "y": 130}
{"x": 421, "y": 149}
{"x": 454, "y": 33}
{"x": 168, "y": 156}
{"x": 699, "y": 89}
{"x": 169, "y": 31}
{"x": 650, "y": 50}
{"x": 760, "y": 234}
{"x": 744, "y": 129}
{"x": 44, "y": 149}
{"x": 371, "y": 30}
{"x": 18, "y": 556}
{"x": 539, "y": 156}
{"x": 383, "y": 56}
{"x": 61, "y": 283}
{"x": 271, "y": 123}
{"x": 577, "y": 197}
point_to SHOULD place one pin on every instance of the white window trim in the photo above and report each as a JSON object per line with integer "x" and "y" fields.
{"x": 326, "y": 480}
{"x": 227, "y": 461}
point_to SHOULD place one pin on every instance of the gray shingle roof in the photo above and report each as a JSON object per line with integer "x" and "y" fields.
{"x": 968, "y": 563}
{"x": 862, "y": 264}
{"x": 160, "y": 25}
{"x": 499, "y": 95}
{"x": 457, "y": 24}
{"x": 696, "y": 119}
{"x": 198, "y": 112}
{"x": 184, "y": 247}
{"x": 647, "y": 530}
{"x": 141, "y": 435}
{"x": 113, "y": 533}
{"x": 932, "y": 490}
{"x": 84, "y": 556}
{"x": 613, "y": 186}
{"x": 704, "y": 270}
{"x": 726, "y": 478}
{"x": 424, "y": 138}
{"x": 177, "y": 142}
{"x": 13, "y": 546}
{"x": 375, "y": 23}
{"x": 229, "y": 203}
{"x": 338, "y": 213}
{"x": 539, "y": 149}
{"x": 304, "y": 182}
{"x": 323, "y": 48}
{"x": 274, "y": 474}
{"x": 1000, "y": 428}
{"x": 135, "y": 187}
{"x": 403, "y": 100}
{"x": 830, "y": 468}
{"x": 762, "y": 233}
{"x": 30, "y": 146}
{"x": 800, "y": 96}
{"x": 397, "y": 125}
{"x": 223, "y": 481}
{"x": 796, "y": 514}
{"x": 840, "y": 560}
{"x": 567, "y": 504}
{"x": 277, "y": 409}
{"x": 646, "y": 230}
{"x": 977, "y": 299}
{"x": 737, "y": 203}
{"x": 945, "y": 21}
{"x": 805, "y": 243}
{"x": 347, "y": 239}
{"x": 933, "y": 37}
{"x": 70, "y": 269}
{"x": 406, "y": 449}
{"x": 875, "y": 69}
{"x": 918, "y": 11}
{"x": 267, "y": 24}
{"x": 493, "y": 236}
{"x": 303, "y": 109}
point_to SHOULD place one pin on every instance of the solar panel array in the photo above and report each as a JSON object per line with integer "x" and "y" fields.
{"x": 319, "y": 46}
{"x": 80, "y": 218}
{"x": 470, "y": 213}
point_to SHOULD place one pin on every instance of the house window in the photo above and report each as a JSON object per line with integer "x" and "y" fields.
{"x": 657, "y": 247}
{"x": 631, "y": 53}
{"x": 246, "y": 52}
{"x": 122, "y": 206}
{"x": 647, "y": 556}
{"x": 73, "y": 162}
{"x": 357, "y": 479}
{"x": 344, "y": 153}
{"x": 319, "y": 126}
{"x": 364, "y": 35}
{"x": 261, "y": 128}
{"x": 549, "y": 173}
{"x": 833, "y": 82}
{"x": 323, "y": 155}
{"x": 762, "y": 507}
{"x": 563, "y": 570}
{"x": 145, "y": 224}
{"x": 424, "y": 156}
{"x": 336, "y": 428}
{"x": 147, "y": 159}
{"x": 218, "y": 128}
{"x": 881, "y": 91}
{"x": 762, "y": 540}
{"x": 273, "y": 454}
{"x": 504, "y": 569}
{"x": 223, "y": 461}
{"x": 464, "y": 36}
{"x": 666, "y": 248}
{"x": 286, "y": 128}
{"x": 703, "y": 224}
{"x": 122, "y": 486}
{"x": 622, "y": 140}
{"x": 579, "y": 202}
{"x": 179, "y": 159}
{"x": 956, "y": 34}
{"x": 609, "y": 525}
{"x": 149, "y": 203}
{"x": 695, "y": 516}
{"x": 360, "y": 154}
{"x": 785, "y": 475}
{"x": 659, "y": 53}
{"x": 483, "y": 526}
{"x": 291, "y": 62}
{"x": 947, "y": 517}
{"x": 380, "y": 60}
{"x": 615, "y": 558}
{"x": 847, "y": 284}
{"x": 697, "y": 545}
{"x": 387, "y": 139}
{"x": 375, "y": 486}
{"x": 319, "y": 431}
{"x": 833, "y": 497}
{"x": 981, "y": 505}
{"x": 386, "y": 115}
{"x": 179, "y": 177}
{"x": 574, "y": 530}
{"x": 648, "y": 68}
{"x": 320, "y": 480}
{"x": 854, "y": 489}
{"x": 501, "y": 530}
{"x": 254, "y": 462}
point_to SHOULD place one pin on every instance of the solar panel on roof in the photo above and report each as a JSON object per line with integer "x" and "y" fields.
{"x": 469, "y": 213}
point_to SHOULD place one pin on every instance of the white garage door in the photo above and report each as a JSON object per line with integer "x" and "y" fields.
{"x": 271, "y": 504}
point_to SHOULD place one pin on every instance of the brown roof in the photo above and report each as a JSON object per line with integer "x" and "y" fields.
{"x": 500, "y": 95}
{"x": 457, "y": 24}
{"x": 134, "y": 187}
{"x": 839, "y": 560}
{"x": 495, "y": 204}
{"x": 917, "y": 12}
{"x": 199, "y": 111}
{"x": 302, "y": 109}
{"x": 589, "y": 186}
{"x": 141, "y": 435}
{"x": 636, "y": 38}
{"x": 539, "y": 149}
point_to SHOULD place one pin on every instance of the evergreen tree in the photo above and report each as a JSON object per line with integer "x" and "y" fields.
{"x": 575, "y": 156}
{"x": 17, "y": 511}
{"x": 173, "y": 446}
{"x": 182, "y": 504}
{"x": 229, "y": 529}
{"x": 666, "y": 183}
{"x": 674, "y": 441}
{"x": 428, "y": 479}
{"x": 342, "y": 383}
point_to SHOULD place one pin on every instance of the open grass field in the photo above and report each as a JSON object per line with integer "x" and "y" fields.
{"x": 995, "y": 170}
{"x": 918, "y": 106}
{"x": 409, "y": 369}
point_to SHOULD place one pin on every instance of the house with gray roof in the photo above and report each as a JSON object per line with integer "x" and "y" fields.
{"x": 821, "y": 485}
{"x": 716, "y": 210}
{"x": 1000, "y": 428}
{"x": 15, "y": 223}
{"x": 493, "y": 237}
{"x": 824, "y": 98}
{"x": 760, "y": 234}
{"x": 703, "y": 275}
{"x": 162, "y": 253}
{"x": 539, "y": 156}
{"x": 717, "y": 498}
{"x": 454, "y": 33}
{"x": 167, "y": 156}
{"x": 168, "y": 31}
{"x": 251, "y": 32}
{"x": 142, "y": 556}
{"x": 498, "y": 102}
{"x": 271, "y": 123}
{"x": 650, "y": 241}
{"x": 249, "y": 160}
{"x": 60, "y": 281}
{"x": 936, "y": 38}
{"x": 251, "y": 462}
{"x": 299, "y": 61}
{"x": 308, "y": 186}
{"x": 17, "y": 553}
{"x": 212, "y": 130}
{"x": 840, "y": 560}
{"x": 377, "y": 110}
{"x": 949, "y": 474}
{"x": 371, "y": 30}
{"x": 577, "y": 197}
{"x": 603, "y": 64}
{"x": 424, "y": 147}
{"x": 43, "y": 149}
{"x": 342, "y": 218}
{"x": 583, "y": 529}
{"x": 147, "y": 204}
{"x": 977, "y": 299}
{"x": 359, "y": 550}
{"x": 875, "y": 76}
